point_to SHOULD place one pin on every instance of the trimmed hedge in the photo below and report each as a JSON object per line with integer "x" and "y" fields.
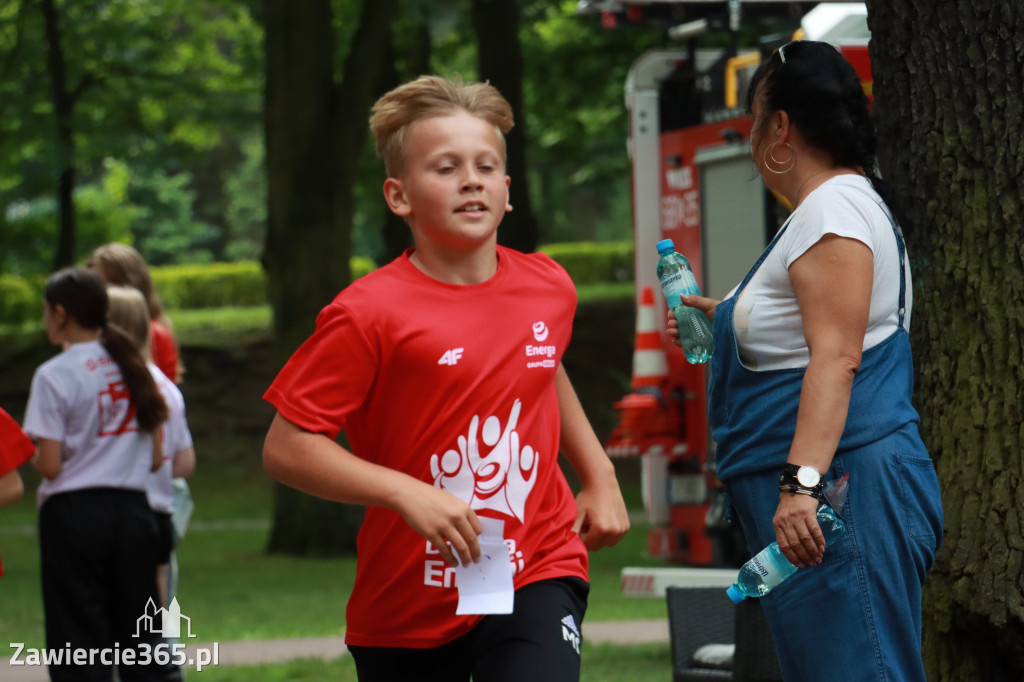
{"x": 244, "y": 284}
{"x": 594, "y": 262}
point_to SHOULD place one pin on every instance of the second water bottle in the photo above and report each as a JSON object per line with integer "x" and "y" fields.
{"x": 677, "y": 279}
{"x": 770, "y": 566}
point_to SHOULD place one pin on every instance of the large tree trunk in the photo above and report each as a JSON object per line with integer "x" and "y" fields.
{"x": 500, "y": 56}
{"x": 948, "y": 84}
{"x": 63, "y": 108}
{"x": 413, "y": 47}
{"x": 315, "y": 133}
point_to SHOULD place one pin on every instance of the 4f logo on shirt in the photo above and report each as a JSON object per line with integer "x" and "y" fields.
{"x": 451, "y": 357}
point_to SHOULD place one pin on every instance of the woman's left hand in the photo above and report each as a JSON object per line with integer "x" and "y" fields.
{"x": 797, "y": 530}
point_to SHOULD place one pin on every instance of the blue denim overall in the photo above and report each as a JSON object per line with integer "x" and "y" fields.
{"x": 857, "y": 615}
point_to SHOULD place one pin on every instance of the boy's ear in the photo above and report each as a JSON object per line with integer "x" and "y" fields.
{"x": 508, "y": 183}
{"x": 394, "y": 194}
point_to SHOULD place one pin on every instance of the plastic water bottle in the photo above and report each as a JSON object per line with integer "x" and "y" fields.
{"x": 676, "y": 277}
{"x": 770, "y": 567}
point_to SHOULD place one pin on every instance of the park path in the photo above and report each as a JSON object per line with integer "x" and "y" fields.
{"x": 262, "y": 652}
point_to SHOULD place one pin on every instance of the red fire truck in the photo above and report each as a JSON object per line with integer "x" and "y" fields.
{"x": 693, "y": 181}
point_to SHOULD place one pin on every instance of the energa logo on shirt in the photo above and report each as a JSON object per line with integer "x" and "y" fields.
{"x": 545, "y": 353}
{"x": 498, "y": 477}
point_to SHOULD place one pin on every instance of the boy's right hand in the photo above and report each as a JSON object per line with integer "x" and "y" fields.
{"x": 442, "y": 518}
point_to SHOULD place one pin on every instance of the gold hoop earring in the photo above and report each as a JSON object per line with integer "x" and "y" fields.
{"x": 769, "y": 153}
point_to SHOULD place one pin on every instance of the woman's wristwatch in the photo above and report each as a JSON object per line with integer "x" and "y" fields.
{"x": 805, "y": 480}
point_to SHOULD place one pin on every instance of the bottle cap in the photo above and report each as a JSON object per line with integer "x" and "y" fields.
{"x": 666, "y": 246}
{"x": 734, "y": 594}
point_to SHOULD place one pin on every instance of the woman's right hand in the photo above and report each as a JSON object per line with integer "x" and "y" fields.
{"x": 701, "y": 303}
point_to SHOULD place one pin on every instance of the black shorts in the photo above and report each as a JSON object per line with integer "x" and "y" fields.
{"x": 165, "y": 530}
{"x": 538, "y": 642}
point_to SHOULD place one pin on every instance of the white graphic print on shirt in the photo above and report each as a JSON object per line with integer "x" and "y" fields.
{"x": 500, "y": 480}
{"x": 117, "y": 411}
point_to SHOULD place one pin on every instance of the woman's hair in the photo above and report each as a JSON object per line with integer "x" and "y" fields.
{"x": 128, "y": 310}
{"x": 122, "y": 265}
{"x": 428, "y": 96}
{"x": 83, "y": 296}
{"x": 824, "y": 98}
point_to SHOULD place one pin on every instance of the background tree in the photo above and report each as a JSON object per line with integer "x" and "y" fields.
{"x": 500, "y": 59}
{"x": 119, "y": 121}
{"x": 948, "y": 79}
{"x": 316, "y": 130}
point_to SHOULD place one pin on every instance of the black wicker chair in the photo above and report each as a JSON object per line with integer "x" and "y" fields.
{"x": 702, "y": 616}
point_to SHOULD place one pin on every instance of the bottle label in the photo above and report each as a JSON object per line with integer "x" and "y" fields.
{"x": 766, "y": 566}
{"x": 671, "y": 278}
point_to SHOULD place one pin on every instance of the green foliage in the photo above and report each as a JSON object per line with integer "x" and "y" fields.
{"x": 216, "y": 285}
{"x": 594, "y": 262}
{"x": 19, "y": 300}
{"x": 159, "y": 88}
{"x": 28, "y": 231}
{"x": 576, "y": 118}
{"x": 166, "y": 230}
{"x": 247, "y": 202}
{"x": 211, "y": 285}
{"x": 169, "y": 152}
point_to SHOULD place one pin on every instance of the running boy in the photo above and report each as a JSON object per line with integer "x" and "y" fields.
{"x": 444, "y": 369}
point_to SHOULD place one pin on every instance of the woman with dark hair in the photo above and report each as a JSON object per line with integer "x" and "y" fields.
{"x": 95, "y": 412}
{"x": 811, "y": 380}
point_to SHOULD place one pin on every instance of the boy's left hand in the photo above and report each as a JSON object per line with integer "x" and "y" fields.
{"x": 601, "y": 519}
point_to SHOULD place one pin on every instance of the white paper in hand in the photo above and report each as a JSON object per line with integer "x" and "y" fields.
{"x": 486, "y": 587}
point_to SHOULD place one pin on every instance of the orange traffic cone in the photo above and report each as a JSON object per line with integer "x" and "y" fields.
{"x": 650, "y": 364}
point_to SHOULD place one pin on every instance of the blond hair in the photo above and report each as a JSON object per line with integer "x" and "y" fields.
{"x": 127, "y": 309}
{"x": 122, "y": 265}
{"x": 429, "y": 96}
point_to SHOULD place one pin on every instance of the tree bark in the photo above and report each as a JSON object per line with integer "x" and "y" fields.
{"x": 63, "y": 109}
{"x": 500, "y": 57}
{"x": 316, "y": 130}
{"x": 948, "y": 84}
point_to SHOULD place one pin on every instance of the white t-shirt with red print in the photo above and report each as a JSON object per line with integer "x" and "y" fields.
{"x": 176, "y": 437}
{"x": 79, "y": 399}
{"x": 453, "y": 385}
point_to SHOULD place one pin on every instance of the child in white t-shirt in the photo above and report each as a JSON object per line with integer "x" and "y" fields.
{"x": 128, "y": 310}
{"x": 93, "y": 412}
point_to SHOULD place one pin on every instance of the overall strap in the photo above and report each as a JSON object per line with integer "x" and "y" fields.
{"x": 902, "y": 247}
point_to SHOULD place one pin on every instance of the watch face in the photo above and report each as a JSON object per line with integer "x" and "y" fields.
{"x": 808, "y": 476}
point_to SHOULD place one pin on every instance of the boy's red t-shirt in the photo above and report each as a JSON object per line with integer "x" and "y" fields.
{"x": 453, "y": 385}
{"x": 15, "y": 448}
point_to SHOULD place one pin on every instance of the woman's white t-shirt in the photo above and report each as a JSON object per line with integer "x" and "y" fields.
{"x": 767, "y": 321}
{"x": 79, "y": 399}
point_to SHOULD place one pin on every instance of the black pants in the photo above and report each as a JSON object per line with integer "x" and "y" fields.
{"x": 538, "y": 642}
{"x": 98, "y": 552}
